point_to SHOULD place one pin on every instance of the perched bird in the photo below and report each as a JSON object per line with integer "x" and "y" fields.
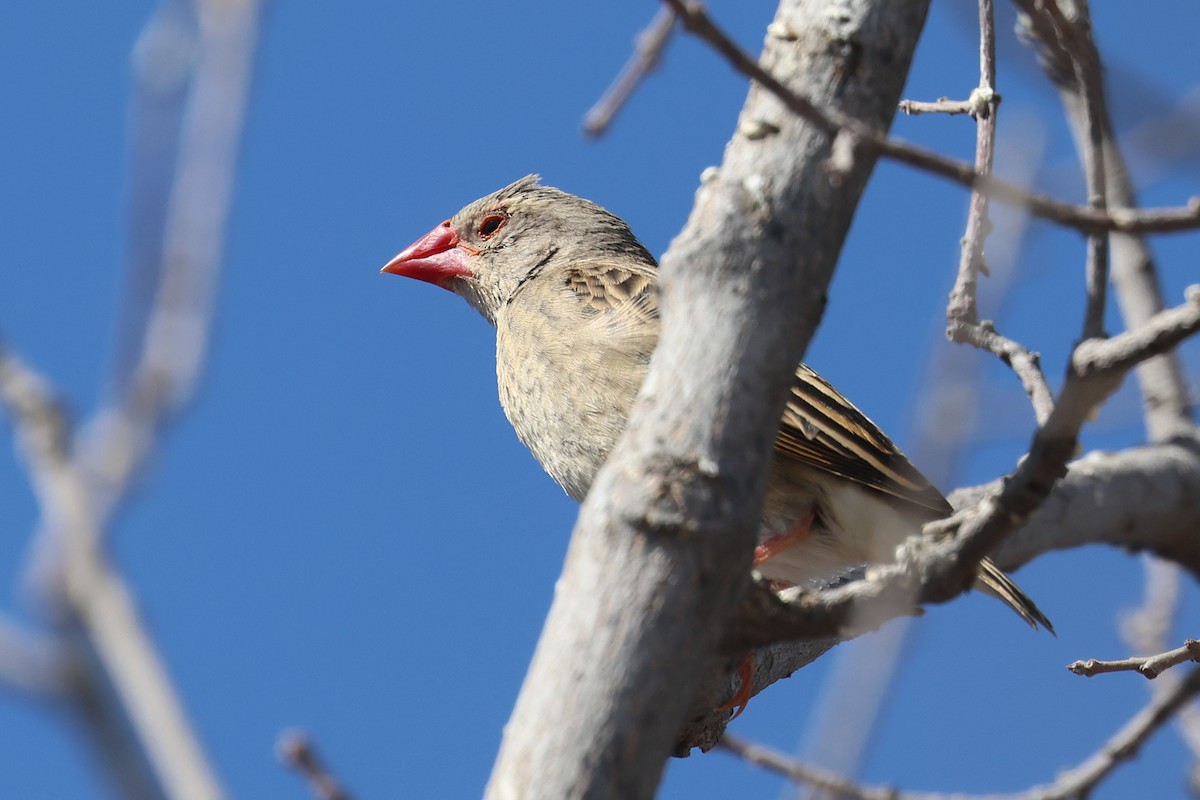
{"x": 573, "y": 296}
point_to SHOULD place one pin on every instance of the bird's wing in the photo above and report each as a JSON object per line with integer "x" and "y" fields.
{"x": 621, "y": 296}
{"x": 820, "y": 428}
{"x": 823, "y": 430}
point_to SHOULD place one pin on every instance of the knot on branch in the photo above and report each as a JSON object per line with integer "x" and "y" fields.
{"x": 679, "y": 496}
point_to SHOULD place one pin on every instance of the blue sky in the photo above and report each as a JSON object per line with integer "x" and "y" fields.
{"x": 344, "y": 534}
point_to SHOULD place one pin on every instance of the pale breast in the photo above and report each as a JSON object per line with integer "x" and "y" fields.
{"x": 566, "y": 385}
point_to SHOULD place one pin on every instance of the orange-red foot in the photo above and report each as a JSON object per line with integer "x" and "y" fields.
{"x": 776, "y": 544}
{"x": 768, "y": 549}
{"x": 741, "y": 698}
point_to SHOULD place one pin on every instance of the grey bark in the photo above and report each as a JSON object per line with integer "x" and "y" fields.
{"x": 1145, "y": 499}
{"x": 663, "y": 545}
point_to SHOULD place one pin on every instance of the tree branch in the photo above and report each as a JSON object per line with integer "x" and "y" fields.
{"x": 1073, "y": 783}
{"x": 696, "y": 20}
{"x": 1150, "y": 667}
{"x": 647, "y": 52}
{"x": 1164, "y": 391}
{"x": 296, "y": 750}
{"x": 663, "y": 545}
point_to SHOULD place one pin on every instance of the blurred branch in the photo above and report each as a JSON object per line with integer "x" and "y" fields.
{"x": 96, "y": 602}
{"x": 647, "y": 52}
{"x": 1072, "y": 64}
{"x": 117, "y": 684}
{"x": 173, "y": 338}
{"x": 1077, "y": 782}
{"x": 296, "y": 750}
{"x": 29, "y": 664}
{"x": 837, "y": 124}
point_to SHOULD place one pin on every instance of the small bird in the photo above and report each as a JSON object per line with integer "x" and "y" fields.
{"x": 573, "y": 296}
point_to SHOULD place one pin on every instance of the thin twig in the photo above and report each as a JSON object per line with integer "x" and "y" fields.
{"x": 1161, "y": 220}
{"x": 296, "y": 750}
{"x": 1166, "y": 399}
{"x": 1157, "y": 335}
{"x": 1148, "y": 666}
{"x": 647, "y": 52}
{"x": 1148, "y": 628}
{"x": 936, "y": 568}
{"x": 1075, "y": 37}
{"x": 943, "y": 105}
{"x": 962, "y": 316}
{"x": 1073, "y": 783}
{"x": 1024, "y": 362}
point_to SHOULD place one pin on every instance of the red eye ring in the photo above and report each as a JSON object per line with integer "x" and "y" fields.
{"x": 491, "y": 224}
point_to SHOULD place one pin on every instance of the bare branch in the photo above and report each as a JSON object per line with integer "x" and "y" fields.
{"x": 647, "y": 52}
{"x": 1026, "y": 364}
{"x": 1164, "y": 390}
{"x": 664, "y": 541}
{"x": 1150, "y": 667}
{"x": 936, "y": 569}
{"x": 962, "y": 316}
{"x": 173, "y": 338}
{"x": 37, "y": 419}
{"x": 696, "y": 20}
{"x": 943, "y": 105}
{"x": 296, "y": 749}
{"x": 31, "y": 664}
{"x": 97, "y": 599}
{"x": 1073, "y": 783}
{"x": 1076, "y": 40}
{"x": 1157, "y": 335}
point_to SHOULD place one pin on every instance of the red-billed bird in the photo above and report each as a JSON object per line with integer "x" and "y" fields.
{"x": 573, "y": 296}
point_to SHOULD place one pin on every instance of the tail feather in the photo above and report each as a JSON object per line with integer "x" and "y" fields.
{"x": 993, "y": 581}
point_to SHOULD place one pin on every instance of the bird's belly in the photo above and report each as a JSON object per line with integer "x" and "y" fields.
{"x": 569, "y": 416}
{"x": 852, "y": 526}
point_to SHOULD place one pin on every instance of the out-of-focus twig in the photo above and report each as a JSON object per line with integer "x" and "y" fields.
{"x": 30, "y": 664}
{"x": 647, "y": 52}
{"x": 115, "y": 680}
{"x": 1165, "y": 394}
{"x": 1073, "y": 783}
{"x": 96, "y": 605}
{"x": 296, "y": 749}
{"x": 173, "y": 339}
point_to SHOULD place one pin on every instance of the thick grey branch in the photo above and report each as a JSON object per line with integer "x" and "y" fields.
{"x": 663, "y": 546}
{"x": 1142, "y": 499}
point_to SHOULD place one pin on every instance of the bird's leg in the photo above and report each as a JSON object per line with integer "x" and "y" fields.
{"x": 741, "y": 698}
{"x": 774, "y": 545}
{"x": 769, "y": 548}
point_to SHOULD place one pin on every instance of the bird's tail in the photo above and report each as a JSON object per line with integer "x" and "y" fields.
{"x": 993, "y": 581}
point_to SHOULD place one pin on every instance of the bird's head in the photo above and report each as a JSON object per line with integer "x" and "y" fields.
{"x": 491, "y": 248}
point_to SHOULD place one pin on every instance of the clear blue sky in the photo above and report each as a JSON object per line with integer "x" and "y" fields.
{"x": 345, "y": 535}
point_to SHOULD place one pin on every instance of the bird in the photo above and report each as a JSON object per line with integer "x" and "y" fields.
{"x": 573, "y": 297}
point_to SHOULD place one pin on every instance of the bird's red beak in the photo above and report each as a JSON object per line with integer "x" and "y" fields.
{"x": 436, "y": 257}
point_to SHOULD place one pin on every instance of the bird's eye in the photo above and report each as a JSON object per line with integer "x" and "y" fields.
{"x": 490, "y": 224}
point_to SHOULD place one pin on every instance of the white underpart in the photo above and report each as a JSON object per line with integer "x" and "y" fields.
{"x": 860, "y": 528}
